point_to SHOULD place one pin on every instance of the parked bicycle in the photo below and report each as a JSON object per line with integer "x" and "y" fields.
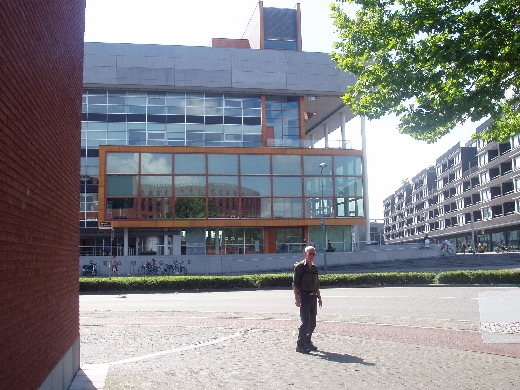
{"x": 179, "y": 268}
{"x": 90, "y": 269}
{"x": 150, "y": 268}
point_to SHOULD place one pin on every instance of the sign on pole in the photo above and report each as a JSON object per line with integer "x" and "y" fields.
{"x": 104, "y": 225}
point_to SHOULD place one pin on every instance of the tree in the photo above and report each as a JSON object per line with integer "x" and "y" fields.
{"x": 434, "y": 63}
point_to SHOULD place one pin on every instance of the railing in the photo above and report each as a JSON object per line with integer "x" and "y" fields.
{"x": 306, "y": 144}
{"x": 202, "y": 249}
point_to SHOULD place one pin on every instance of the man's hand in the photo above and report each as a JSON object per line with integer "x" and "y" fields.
{"x": 320, "y": 302}
{"x": 297, "y": 302}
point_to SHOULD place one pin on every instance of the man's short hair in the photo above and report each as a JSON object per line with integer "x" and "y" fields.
{"x": 307, "y": 248}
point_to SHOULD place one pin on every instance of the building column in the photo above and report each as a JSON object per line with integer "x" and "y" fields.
{"x": 326, "y": 133}
{"x": 166, "y": 248}
{"x": 343, "y": 140}
{"x": 125, "y": 241}
{"x": 365, "y": 179}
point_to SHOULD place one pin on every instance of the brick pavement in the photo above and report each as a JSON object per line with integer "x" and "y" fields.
{"x": 194, "y": 350}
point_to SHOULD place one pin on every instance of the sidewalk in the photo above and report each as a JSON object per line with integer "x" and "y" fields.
{"x": 175, "y": 348}
{"x": 261, "y": 356}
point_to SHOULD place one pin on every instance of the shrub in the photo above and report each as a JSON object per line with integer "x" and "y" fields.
{"x": 479, "y": 277}
{"x": 173, "y": 283}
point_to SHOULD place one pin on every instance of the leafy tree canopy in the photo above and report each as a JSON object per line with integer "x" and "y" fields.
{"x": 434, "y": 63}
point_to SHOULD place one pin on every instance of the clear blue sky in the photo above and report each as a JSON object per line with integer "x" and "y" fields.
{"x": 392, "y": 157}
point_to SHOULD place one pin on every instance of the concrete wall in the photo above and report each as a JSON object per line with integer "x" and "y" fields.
{"x": 41, "y": 49}
{"x": 193, "y": 67}
{"x": 275, "y": 262}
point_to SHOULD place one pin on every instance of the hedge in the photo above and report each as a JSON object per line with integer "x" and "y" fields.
{"x": 174, "y": 283}
{"x": 478, "y": 277}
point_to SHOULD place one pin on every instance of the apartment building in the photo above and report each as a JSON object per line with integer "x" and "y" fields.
{"x": 218, "y": 150}
{"x": 472, "y": 191}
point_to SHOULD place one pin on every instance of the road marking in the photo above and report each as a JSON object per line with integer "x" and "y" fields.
{"x": 93, "y": 376}
{"x": 179, "y": 349}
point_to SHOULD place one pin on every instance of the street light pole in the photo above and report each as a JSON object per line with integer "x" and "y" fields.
{"x": 323, "y": 226}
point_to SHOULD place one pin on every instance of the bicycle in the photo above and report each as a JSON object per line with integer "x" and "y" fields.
{"x": 446, "y": 250}
{"x": 178, "y": 268}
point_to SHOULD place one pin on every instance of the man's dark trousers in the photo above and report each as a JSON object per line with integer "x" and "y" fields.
{"x": 308, "y": 311}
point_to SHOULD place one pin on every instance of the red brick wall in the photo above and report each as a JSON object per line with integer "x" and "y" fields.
{"x": 41, "y": 52}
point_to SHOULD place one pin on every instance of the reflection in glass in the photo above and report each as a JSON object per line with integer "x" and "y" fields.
{"x": 124, "y": 185}
{"x": 190, "y": 185}
{"x": 313, "y": 186}
{"x": 155, "y": 208}
{"x": 313, "y": 207}
{"x": 347, "y": 165}
{"x": 287, "y": 186}
{"x": 287, "y": 165}
{"x": 255, "y": 186}
{"x": 223, "y": 185}
{"x": 156, "y": 185}
{"x": 223, "y": 207}
{"x": 252, "y": 164}
{"x": 255, "y": 207}
{"x": 191, "y": 164}
{"x": 287, "y": 207}
{"x": 122, "y": 162}
{"x": 349, "y": 186}
{"x": 223, "y": 164}
{"x": 311, "y": 165}
{"x": 349, "y": 207}
{"x": 156, "y": 163}
{"x": 121, "y": 208}
{"x": 190, "y": 208}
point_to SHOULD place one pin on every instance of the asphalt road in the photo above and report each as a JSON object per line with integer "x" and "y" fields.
{"x": 388, "y": 304}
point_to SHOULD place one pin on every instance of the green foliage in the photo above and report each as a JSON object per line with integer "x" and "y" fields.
{"x": 376, "y": 279}
{"x": 175, "y": 283}
{"x": 478, "y": 277}
{"x": 433, "y": 63}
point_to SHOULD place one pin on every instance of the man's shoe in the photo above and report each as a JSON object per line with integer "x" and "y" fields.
{"x": 310, "y": 346}
{"x": 301, "y": 349}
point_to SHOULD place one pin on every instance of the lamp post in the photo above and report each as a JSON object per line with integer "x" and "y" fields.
{"x": 323, "y": 226}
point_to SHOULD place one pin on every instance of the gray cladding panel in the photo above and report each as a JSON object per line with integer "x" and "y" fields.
{"x": 186, "y": 66}
{"x": 207, "y": 63}
{"x": 262, "y": 80}
{"x": 100, "y": 75}
{"x": 155, "y": 62}
{"x": 202, "y": 78}
{"x": 92, "y": 60}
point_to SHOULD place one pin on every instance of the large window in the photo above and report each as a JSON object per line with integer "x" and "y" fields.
{"x": 220, "y": 185}
{"x": 282, "y": 120}
{"x": 164, "y": 118}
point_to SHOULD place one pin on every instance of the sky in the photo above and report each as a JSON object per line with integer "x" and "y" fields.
{"x": 391, "y": 157}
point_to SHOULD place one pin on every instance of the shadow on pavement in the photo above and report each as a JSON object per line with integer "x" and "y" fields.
{"x": 340, "y": 358}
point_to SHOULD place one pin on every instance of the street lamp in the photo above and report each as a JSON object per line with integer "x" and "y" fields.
{"x": 323, "y": 226}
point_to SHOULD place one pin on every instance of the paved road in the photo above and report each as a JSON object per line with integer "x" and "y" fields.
{"x": 368, "y": 338}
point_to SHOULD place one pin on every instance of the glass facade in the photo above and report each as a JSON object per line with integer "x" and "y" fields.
{"x": 174, "y": 119}
{"x": 158, "y": 184}
{"x": 160, "y": 119}
{"x": 223, "y": 186}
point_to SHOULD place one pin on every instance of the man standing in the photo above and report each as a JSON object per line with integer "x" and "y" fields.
{"x": 306, "y": 292}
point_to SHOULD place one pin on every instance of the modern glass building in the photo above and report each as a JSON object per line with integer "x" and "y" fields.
{"x": 217, "y": 150}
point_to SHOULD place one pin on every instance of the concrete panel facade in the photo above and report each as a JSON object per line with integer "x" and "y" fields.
{"x": 182, "y": 67}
